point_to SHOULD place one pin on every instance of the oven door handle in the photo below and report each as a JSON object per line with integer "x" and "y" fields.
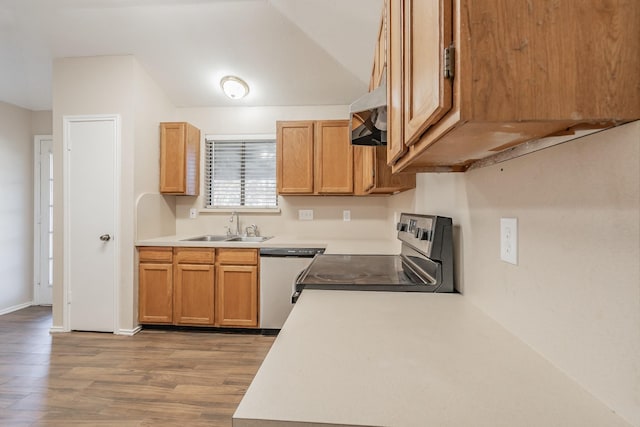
{"x": 299, "y": 276}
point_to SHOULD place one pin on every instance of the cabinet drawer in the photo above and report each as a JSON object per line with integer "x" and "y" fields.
{"x": 238, "y": 256}
{"x": 155, "y": 254}
{"x": 194, "y": 255}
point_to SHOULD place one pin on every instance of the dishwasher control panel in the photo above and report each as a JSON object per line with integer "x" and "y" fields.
{"x": 291, "y": 252}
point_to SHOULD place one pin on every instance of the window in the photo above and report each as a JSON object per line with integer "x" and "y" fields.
{"x": 240, "y": 173}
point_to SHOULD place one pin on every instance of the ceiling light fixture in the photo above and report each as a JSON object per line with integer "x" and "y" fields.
{"x": 234, "y": 87}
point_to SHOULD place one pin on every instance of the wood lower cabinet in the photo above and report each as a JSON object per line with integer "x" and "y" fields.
{"x": 237, "y": 288}
{"x": 194, "y": 294}
{"x": 155, "y": 285}
{"x": 237, "y": 295}
{"x": 179, "y": 159}
{"x": 199, "y": 286}
{"x": 193, "y": 281}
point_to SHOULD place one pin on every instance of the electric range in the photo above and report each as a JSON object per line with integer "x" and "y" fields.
{"x": 425, "y": 262}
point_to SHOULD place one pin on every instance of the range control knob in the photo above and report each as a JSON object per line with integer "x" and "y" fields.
{"x": 401, "y": 226}
{"x": 422, "y": 234}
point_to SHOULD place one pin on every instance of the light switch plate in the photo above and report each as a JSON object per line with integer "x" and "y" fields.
{"x": 305, "y": 214}
{"x": 509, "y": 240}
{"x": 346, "y": 215}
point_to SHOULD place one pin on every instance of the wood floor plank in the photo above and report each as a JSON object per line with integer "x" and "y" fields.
{"x": 155, "y": 378}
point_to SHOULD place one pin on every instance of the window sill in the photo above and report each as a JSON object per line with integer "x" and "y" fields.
{"x": 239, "y": 210}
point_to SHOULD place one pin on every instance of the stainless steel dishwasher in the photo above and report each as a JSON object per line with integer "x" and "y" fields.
{"x": 278, "y": 270}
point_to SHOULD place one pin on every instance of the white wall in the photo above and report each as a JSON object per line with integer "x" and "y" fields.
{"x": 16, "y": 207}
{"x": 574, "y": 296}
{"x": 110, "y": 85}
{"x": 369, "y": 214}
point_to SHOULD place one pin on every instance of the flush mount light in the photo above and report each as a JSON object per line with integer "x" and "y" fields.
{"x": 234, "y": 87}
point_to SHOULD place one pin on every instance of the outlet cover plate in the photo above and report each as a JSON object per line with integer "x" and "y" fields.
{"x": 305, "y": 214}
{"x": 346, "y": 215}
{"x": 509, "y": 240}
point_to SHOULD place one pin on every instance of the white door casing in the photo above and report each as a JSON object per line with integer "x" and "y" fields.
{"x": 91, "y": 181}
{"x": 42, "y": 218}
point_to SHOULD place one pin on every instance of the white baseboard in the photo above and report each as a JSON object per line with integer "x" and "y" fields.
{"x": 15, "y": 308}
{"x": 129, "y": 332}
{"x": 57, "y": 330}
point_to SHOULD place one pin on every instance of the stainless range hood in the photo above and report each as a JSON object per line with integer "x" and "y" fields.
{"x": 369, "y": 117}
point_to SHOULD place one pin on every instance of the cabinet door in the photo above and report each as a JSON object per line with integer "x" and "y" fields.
{"x": 333, "y": 158}
{"x": 179, "y": 159}
{"x": 395, "y": 125}
{"x": 384, "y": 181}
{"x": 363, "y": 173}
{"x": 155, "y": 293}
{"x": 194, "y": 294}
{"x": 237, "y": 297}
{"x": 379, "y": 58}
{"x": 294, "y": 157}
{"x": 428, "y": 95}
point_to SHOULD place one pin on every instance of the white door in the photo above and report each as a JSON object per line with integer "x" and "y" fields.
{"x": 43, "y": 216}
{"x": 90, "y": 222}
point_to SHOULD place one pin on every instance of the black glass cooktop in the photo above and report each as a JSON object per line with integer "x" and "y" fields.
{"x": 379, "y": 272}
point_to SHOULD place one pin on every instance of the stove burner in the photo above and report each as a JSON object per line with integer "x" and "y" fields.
{"x": 340, "y": 277}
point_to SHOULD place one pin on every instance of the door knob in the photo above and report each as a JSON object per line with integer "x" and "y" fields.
{"x": 105, "y": 237}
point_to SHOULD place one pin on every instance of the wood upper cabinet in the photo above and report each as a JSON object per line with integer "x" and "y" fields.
{"x": 155, "y": 285}
{"x": 395, "y": 65}
{"x": 237, "y": 288}
{"x": 380, "y": 55}
{"x": 376, "y": 174}
{"x": 179, "y": 159}
{"x": 194, "y": 286}
{"x": 520, "y": 71}
{"x": 314, "y": 157}
{"x": 426, "y": 32}
{"x": 294, "y": 157}
{"x": 333, "y": 158}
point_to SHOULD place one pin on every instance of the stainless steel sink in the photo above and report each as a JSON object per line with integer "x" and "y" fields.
{"x": 224, "y": 238}
{"x": 249, "y": 238}
{"x": 207, "y": 238}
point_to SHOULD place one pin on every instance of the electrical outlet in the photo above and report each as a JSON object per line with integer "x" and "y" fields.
{"x": 193, "y": 213}
{"x": 305, "y": 214}
{"x": 509, "y": 240}
{"x": 346, "y": 215}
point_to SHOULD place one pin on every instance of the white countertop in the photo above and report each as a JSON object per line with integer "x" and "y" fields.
{"x": 408, "y": 359}
{"x": 351, "y": 246}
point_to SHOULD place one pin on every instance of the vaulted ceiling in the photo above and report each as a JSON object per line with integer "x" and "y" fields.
{"x": 291, "y": 52}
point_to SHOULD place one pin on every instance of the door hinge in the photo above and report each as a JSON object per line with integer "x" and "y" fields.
{"x": 449, "y": 61}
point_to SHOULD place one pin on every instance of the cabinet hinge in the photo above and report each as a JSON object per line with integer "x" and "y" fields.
{"x": 449, "y": 61}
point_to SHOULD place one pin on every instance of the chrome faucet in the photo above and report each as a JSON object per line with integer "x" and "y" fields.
{"x": 237, "y": 221}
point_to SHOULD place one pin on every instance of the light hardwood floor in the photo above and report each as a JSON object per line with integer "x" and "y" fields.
{"x": 155, "y": 378}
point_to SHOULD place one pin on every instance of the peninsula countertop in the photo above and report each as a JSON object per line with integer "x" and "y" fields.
{"x": 408, "y": 359}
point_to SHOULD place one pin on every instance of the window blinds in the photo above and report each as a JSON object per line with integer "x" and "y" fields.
{"x": 240, "y": 174}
